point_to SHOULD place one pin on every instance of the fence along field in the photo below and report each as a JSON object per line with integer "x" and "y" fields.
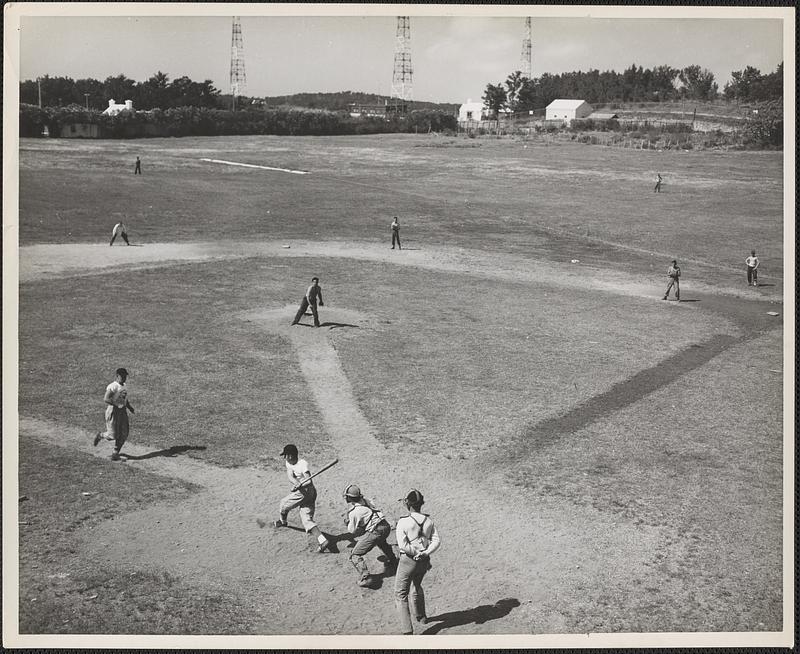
{"x": 600, "y": 440}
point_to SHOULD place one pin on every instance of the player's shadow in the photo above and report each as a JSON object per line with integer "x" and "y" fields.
{"x": 763, "y": 285}
{"x": 478, "y": 615}
{"x": 175, "y": 450}
{"x": 689, "y": 300}
{"x": 334, "y": 325}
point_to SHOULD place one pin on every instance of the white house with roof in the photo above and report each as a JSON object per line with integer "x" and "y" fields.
{"x": 567, "y": 110}
{"x": 471, "y": 111}
{"x": 113, "y": 108}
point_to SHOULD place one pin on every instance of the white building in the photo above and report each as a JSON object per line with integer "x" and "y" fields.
{"x": 567, "y": 110}
{"x": 471, "y": 111}
{"x": 113, "y": 108}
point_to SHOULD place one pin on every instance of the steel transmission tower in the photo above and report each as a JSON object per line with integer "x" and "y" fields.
{"x": 526, "y": 66}
{"x": 238, "y": 79}
{"x": 401, "y": 79}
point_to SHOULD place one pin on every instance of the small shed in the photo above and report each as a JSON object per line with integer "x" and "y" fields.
{"x": 113, "y": 108}
{"x": 567, "y": 110}
{"x": 471, "y": 111}
{"x": 601, "y": 115}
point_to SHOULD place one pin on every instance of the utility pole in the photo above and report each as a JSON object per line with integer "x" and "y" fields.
{"x": 86, "y": 95}
{"x": 402, "y": 74}
{"x": 39, "y": 83}
{"x": 238, "y": 78}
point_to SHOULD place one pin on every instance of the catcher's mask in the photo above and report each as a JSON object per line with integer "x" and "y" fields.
{"x": 352, "y": 492}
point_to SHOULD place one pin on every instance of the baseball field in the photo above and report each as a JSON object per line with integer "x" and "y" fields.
{"x": 596, "y": 459}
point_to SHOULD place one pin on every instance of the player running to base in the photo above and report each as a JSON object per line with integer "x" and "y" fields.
{"x": 303, "y": 496}
{"x": 365, "y": 521}
{"x": 117, "y": 426}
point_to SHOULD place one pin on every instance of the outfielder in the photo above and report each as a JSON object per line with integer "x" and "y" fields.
{"x": 417, "y": 539}
{"x": 119, "y": 229}
{"x": 365, "y": 521}
{"x": 313, "y": 294}
{"x": 303, "y": 496}
{"x": 117, "y": 426}
{"x": 674, "y": 274}
{"x": 396, "y": 233}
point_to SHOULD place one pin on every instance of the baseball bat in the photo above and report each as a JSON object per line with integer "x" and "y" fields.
{"x": 320, "y": 471}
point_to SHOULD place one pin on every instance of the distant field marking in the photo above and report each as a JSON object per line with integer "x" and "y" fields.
{"x": 246, "y": 165}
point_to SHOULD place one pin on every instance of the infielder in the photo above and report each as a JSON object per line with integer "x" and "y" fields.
{"x": 117, "y": 426}
{"x": 396, "y": 233}
{"x": 313, "y": 294}
{"x": 119, "y": 229}
{"x": 752, "y": 269}
{"x": 674, "y": 274}
{"x": 137, "y": 169}
{"x": 417, "y": 539}
{"x": 303, "y": 496}
{"x": 365, "y": 521}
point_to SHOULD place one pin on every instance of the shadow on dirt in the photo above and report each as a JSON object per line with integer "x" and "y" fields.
{"x": 478, "y": 615}
{"x": 332, "y": 325}
{"x": 175, "y": 450}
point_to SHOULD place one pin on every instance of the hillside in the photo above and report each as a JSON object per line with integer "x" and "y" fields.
{"x": 342, "y": 100}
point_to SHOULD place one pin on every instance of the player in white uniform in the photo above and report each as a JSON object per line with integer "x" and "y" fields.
{"x": 417, "y": 539}
{"x": 117, "y": 427}
{"x": 303, "y": 496}
{"x": 752, "y": 269}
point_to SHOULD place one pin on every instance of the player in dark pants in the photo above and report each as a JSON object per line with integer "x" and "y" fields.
{"x": 138, "y": 169}
{"x": 396, "y": 234}
{"x": 657, "y": 188}
{"x": 119, "y": 230}
{"x": 674, "y": 274}
{"x": 313, "y": 294}
{"x": 368, "y": 524}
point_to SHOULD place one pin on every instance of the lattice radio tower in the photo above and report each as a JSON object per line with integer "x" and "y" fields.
{"x": 401, "y": 78}
{"x": 526, "y": 66}
{"x": 238, "y": 79}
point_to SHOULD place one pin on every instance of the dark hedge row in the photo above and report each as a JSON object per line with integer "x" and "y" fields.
{"x": 199, "y": 121}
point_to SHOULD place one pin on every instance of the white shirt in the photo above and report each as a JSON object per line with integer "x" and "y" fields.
{"x": 119, "y": 228}
{"x": 752, "y": 262}
{"x": 417, "y": 534}
{"x": 297, "y": 471}
{"x": 119, "y": 394}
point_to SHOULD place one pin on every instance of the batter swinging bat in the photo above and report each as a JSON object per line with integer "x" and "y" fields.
{"x": 320, "y": 471}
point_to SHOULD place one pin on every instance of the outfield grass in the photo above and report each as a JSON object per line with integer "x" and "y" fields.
{"x": 501, "y": 196}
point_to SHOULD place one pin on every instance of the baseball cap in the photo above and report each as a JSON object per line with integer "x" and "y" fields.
{"x": 121, "y": 371}
{"x": 413, "y": 497}
{"x": 352, "y": 491}
{"x": 289, "y": 449}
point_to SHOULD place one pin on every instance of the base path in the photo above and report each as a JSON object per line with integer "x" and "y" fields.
{"x": 45, "y": 261}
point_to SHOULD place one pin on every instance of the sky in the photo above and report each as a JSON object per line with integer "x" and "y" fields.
{"x": 454, "y": 57}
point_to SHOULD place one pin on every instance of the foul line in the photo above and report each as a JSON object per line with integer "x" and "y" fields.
{"x": 246, "y": 165}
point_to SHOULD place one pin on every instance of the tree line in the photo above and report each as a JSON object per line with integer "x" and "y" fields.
{"x": 156, "y": 92}
{"x": 634, "y": 84}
